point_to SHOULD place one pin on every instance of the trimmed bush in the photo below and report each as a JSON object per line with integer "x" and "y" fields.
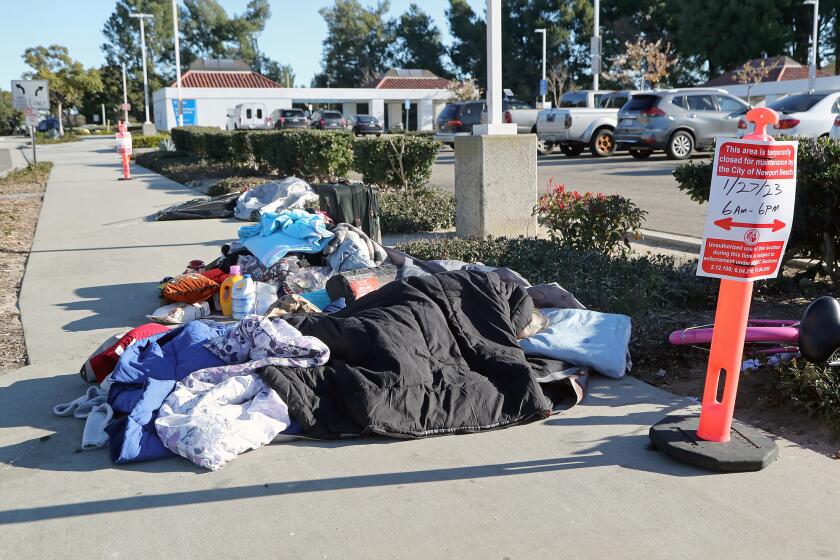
{"x": 420, "y": 209}
{"x": 314, "y": 155}
{"x": 193, "y": 139}
{"x": 814, "y": 388}
{"x": 588, "y": 221}
{"x": 235, "y": 184}
{"x": 395, "y": 160}
{"x": 816, "y": 223}
{"x": 152, "y": 141}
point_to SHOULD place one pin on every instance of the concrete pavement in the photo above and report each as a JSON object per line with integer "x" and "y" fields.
{"x": 579, "y": 485}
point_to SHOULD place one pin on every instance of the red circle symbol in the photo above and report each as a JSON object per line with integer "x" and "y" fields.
{"x": 752, "y": 236}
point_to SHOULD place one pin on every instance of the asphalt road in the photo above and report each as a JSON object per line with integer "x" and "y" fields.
{"x": 648, "y": 183}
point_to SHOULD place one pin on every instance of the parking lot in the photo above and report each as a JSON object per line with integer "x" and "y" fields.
{"x": 648, "y": 183}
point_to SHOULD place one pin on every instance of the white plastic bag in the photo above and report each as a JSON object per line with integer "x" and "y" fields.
{"x": 266, "y": 295}
{"x": 177, "y": 313}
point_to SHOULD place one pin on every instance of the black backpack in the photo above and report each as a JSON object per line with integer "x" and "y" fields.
{"x": 352, "y": 203}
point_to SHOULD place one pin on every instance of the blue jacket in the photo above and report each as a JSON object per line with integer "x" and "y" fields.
{"x": 144, "y": 376}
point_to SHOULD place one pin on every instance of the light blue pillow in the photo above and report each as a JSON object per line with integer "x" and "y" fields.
{"x": 582, "y": 337}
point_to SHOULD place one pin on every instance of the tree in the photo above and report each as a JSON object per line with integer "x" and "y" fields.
{"x": 418, "y": 42}
{"x": 785, "y": 30}
{"x": 568, "y": 24}
{"x": 751, "y": 74}
{"x": 643, "y": 64}
{"x": 464, "y": 90}
{"x": 10, "y": 118}
{"x": 557, "y": 76}
{"x": 206, "y": 31}
{"x": 280, "y": 73}
{"x": 356, "y": 44}
{"x": 69, "y": 81}
{"x": 469, "y": 41}
{"x": 210, "y": 33}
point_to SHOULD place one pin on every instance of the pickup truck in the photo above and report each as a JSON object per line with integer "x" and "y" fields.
{"x": 577, "y": 128}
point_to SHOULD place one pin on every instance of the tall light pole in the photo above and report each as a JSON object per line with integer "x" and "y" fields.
{"x": 177, "y": 62}
{"x": 596, "y": 47}
{"x": 812, "y": 66}
{"x": 543, "y": 72}
{"x": 142, "y": 18}
{"x": 125, "y": 97}
{"x": 494, "y": 124}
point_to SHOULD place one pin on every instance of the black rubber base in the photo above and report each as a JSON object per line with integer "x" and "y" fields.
{"x": 124, "y": 179}
{"x": 747, "y": 449}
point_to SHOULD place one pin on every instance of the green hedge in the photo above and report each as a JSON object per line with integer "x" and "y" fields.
{"x": 421, "y": 209}
{"x": 390, "y": 161}
{"x": 151, "y": 141}
{"x": 396, "y": 160}
{"x": 313, "y": 155}
{"x": 191, "y": 139}
{"x": 816, "y": 223}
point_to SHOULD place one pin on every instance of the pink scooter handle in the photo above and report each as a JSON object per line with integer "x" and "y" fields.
{"x": 754, "y": 334}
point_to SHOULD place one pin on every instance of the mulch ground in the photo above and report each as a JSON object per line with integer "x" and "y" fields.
{"x": 21, "y": 196}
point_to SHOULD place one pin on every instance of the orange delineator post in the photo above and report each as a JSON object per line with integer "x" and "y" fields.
{"x": 126, "y": 165}
{"x": 731, "y": 316}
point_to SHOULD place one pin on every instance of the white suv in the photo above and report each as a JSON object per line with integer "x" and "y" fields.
{"x": 803, "y": 114}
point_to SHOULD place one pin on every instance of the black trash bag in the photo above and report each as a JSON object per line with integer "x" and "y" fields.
{"x": 199, "y": 209}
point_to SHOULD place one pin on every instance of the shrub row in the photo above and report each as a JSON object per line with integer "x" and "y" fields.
{"x": 420, "y": 209}
{"x": 151, "y": 141}
{"x": 389, "y": 161}
{"x": 396, "y": 160}
{"x": 816, "y": 223}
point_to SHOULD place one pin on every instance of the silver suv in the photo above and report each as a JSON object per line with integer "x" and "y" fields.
{"x": 677, "y": 121}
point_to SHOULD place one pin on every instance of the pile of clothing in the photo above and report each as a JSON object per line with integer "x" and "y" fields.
{"x": 362, "y": 339}
{"x": 250, "y": 205}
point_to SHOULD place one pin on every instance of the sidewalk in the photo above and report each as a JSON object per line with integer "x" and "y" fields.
{"x": 579, "y": 485}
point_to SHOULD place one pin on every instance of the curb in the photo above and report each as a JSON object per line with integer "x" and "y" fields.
{"x": 672, "y": 241}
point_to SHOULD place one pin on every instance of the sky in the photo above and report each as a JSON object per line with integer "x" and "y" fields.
{"x": 293, "y": 34}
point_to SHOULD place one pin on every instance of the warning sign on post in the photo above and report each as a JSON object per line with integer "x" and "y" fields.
{"x": 750, "y": 209}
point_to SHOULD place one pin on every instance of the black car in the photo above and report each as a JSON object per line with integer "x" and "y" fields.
{"x": 365, "y": 124}
{"x": 49, "y": 123}
{"x": 459, "y": 120}
{"x": 291, "y": 118}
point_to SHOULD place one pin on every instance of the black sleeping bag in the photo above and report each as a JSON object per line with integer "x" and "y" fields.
{"x": 422, "y": 356}
{"x": 200, "y": 208}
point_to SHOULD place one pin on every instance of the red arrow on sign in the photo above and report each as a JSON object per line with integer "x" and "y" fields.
{"x": 728, "y": 224}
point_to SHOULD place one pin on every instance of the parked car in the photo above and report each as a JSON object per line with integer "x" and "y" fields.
{"x": 328, "y": 120}
{"x": 576, "y": 128}
{"x": 582, "y": 99}
{"x": 458, "y": 119}
{"x": 677, "y": 121}
{"x": 461, "y": 121}
{"x": 365, "y": 124}
{"x": 290, "y": 118}
{"x": 249, "y": 116}
{"x": 47, "y": 124}
{"x": 804, "y": 114}
{"x": 521, "y": 114}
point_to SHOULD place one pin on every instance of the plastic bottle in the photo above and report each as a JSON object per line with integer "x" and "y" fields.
{"x": 244, "y": 297}
{"x": 226, "y": 291}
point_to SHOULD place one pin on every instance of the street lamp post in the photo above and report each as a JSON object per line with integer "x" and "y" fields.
{"x": 596, "y": 47}
{"x": 125, "y": 97}
{"x": 542, "y": 31}
{"x": 142, "y": 18}
{"x": 812, "y": 66}
{"x": 177, "y": 62}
